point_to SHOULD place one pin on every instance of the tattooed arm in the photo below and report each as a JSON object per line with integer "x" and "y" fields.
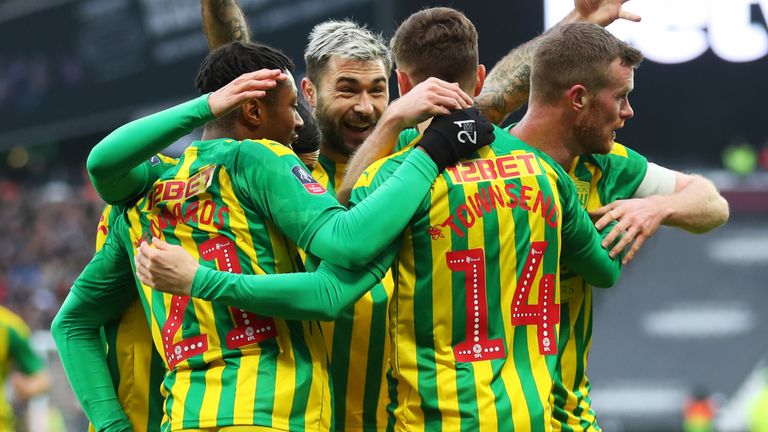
{"x": 224, "y": 22}
{"x": 507, "y": 85}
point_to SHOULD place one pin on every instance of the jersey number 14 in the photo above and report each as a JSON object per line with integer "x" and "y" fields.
{"x": 544, "y": 315}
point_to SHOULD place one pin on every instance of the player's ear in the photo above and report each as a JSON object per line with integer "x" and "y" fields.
{"x": 253, "y": 113}
{"x": 577, "y": 96}
{"x": 404, "y": 83}
{"x": 480, "y": 79}
{"x": 309, "y": 91}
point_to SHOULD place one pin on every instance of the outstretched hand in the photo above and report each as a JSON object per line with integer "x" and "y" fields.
{"x": 251, "y": 85}
{"x": 165, "y": 267}
{"x": 603, "y": 12}
{"x": 638, "y": 219}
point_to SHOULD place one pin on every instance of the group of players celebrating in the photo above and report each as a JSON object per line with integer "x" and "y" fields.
{"x": 451, "y": 290}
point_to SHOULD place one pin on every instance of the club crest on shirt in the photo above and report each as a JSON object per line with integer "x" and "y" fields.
{"x": 582, "y": 190}
{"x": 306, "y": 180}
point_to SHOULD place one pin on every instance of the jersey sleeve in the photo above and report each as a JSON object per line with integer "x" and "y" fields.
{"x": 101, "y": 292}
{"x": 25, "y": 357}
{"x": 406, "y": 137}
{"x": 623, "y": 169}
{"x": 117, "y": 165}
{"x": 324, "y": 294}
{"x": 313, "y": 219}
{"x": 581, "y": 248}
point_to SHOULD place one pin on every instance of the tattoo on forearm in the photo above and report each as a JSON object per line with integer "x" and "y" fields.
{"x": 507, "y": 86}
{"x": 229, "y": 15}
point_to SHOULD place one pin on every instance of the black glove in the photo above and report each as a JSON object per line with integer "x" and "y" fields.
{"x": 454, "y": 136}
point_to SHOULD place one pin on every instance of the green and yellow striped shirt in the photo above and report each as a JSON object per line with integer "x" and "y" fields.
{"x": 357, "y": 343}
{"x": 599, "y": 180}
{"x": 474, "y": 313}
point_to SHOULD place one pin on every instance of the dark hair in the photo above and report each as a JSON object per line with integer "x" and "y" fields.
{"x": 309, "y": 134}
{"x": 578, "y": 53}
{"x": 229, "y": 61}
{"x": 437, "y": 42}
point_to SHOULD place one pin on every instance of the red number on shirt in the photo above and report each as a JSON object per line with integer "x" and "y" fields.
{"x": 476, "y": 346}
{"x": 249, "y": 327}
{"x": 185, "y": 348}
{"x": 545, "y": 314}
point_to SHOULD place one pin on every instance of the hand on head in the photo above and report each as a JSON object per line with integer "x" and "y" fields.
{"x": 429, "y": 98}
{"x": 248, "y": 86}
{"x": 456, "y": 135}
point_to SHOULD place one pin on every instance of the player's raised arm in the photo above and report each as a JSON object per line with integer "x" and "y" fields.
{"x": 117, "y": 164}
{"x": 508, "y": 84}
{"x": 224, "y": 22}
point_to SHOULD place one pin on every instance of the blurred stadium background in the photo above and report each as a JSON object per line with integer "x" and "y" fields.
{"x": 686, "y": 318}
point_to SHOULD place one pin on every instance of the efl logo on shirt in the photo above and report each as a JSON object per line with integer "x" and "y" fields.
{"x": 309, "y": 183}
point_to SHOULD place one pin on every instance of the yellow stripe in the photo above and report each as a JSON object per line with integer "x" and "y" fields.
{"x": 134, "y": 347}
{"x": 247, "y": 379}
{"x": 285, "y": 376}
{"x": 358, "y": 358}
{"x": 447, "y": 397}
{"x": 366, "y": 178}
{"x": 404, "y": 346}
{"x": 14, "y": 321}
{"x": 181, "y": 387}
{"x": 508, "y": 278}
{"x": 4, "y": 345}
{"x": 321, "y": 175}
{"x": 319, "y": 401}
{"x": 275, "y": 147}
{"x": 619, "y": 150}
{"x": 101, "y": 234}
{"x": 381, "y": 410}
{"x": 483, "y": 372}
{"x": 338, "y": 176}
{"x": 6, "y": 412}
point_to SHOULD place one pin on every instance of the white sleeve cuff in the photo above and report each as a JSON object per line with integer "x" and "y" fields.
{"x": 657, "y": 181}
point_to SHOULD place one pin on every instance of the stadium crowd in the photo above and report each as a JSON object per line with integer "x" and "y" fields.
{"x": 48, "y": 233}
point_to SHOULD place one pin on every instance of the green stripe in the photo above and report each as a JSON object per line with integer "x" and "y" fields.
{"x": 580, "y": 366}
{"x": 110, "y": 331}
{"x": 304, "y": 375}
{"x": 375, "y": 363}
{"x": 342, "y": 336}
{"x": 560, "y": 389}
{"x": 520, "y": 342}
{"x": 330, "y": 169}
{"x": 465, "y": 376}
{"x": 264, "y": 401}
{"x": 423, "y": 330}
{"x": 155, "y": 400}
{"x": 496, "y": 325}
{"x": 392, "y": 394}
